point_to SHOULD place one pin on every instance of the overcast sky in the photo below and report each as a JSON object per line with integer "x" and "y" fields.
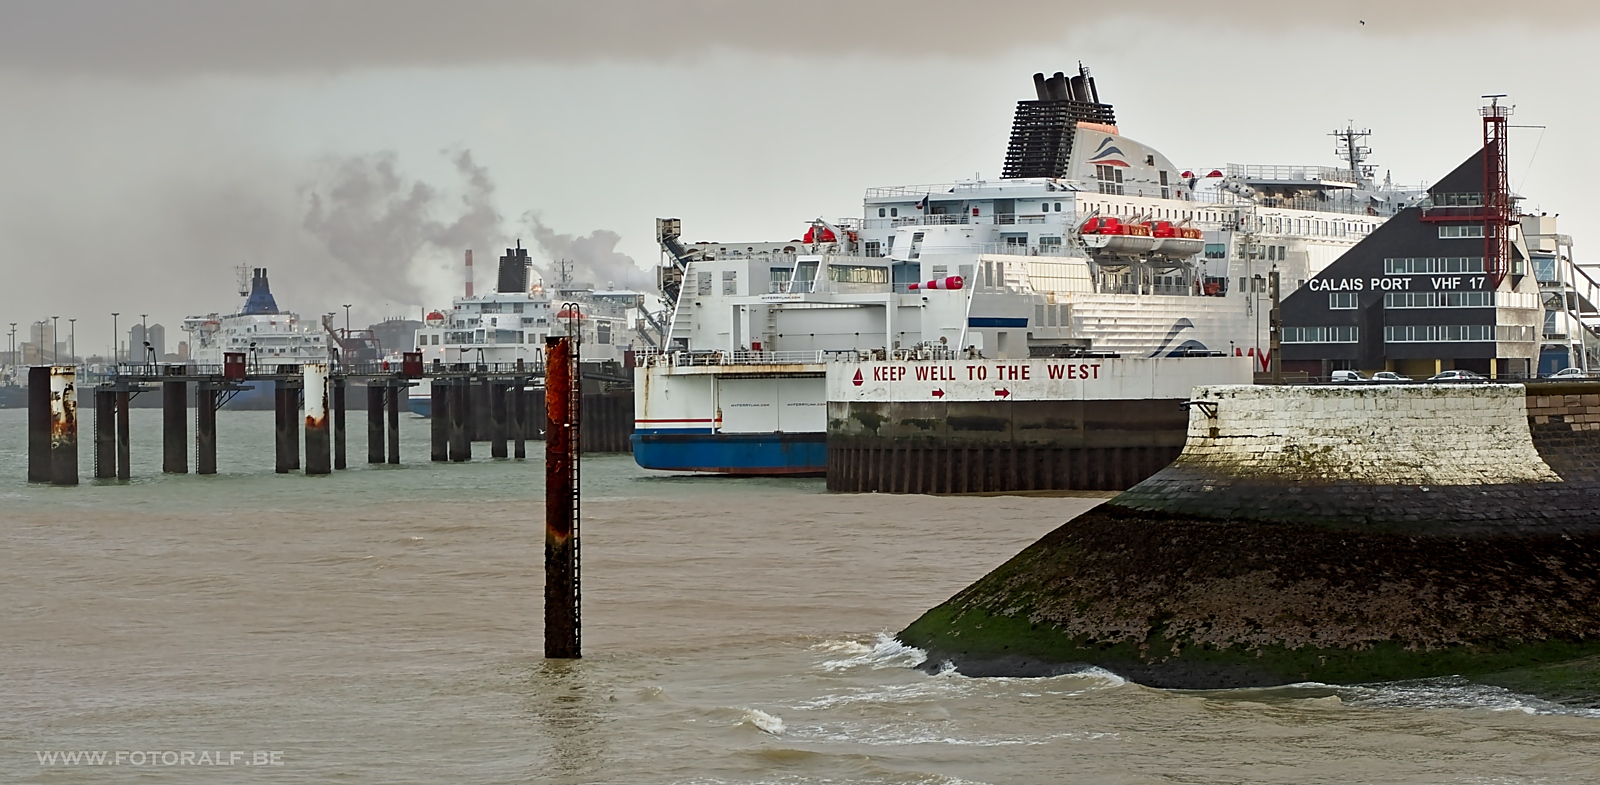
{"x": 356, "y": 148}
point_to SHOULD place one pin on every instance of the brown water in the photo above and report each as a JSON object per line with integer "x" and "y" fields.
{"x": 383, "y": 626}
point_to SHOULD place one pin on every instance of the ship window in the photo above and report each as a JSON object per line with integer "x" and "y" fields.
{"x": 880, "y": 212}
{"x": 857, "y": 273}
{"x": 916, "y": 245}
{"x": 1058, "y": 207}
{"x": 874, "y": 248}
{"x": 894, "y": 211}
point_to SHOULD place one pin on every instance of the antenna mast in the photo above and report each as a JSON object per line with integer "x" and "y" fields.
{"x": 1352, "y": 149}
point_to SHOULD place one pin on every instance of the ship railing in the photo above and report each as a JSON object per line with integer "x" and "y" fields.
{"x": 1330, "y": 174}
{"x": 899, "y": 191}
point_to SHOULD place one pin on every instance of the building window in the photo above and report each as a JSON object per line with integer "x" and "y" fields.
{"x": 1433, "y": 265}
{"x": 1216, "y": 251}
{"x": 1544, "y": 269}
{"x": 1439, "y": 333}
{"x": 1453, "y": 232}
{"x": 1320, "y": 334}
{"x": 1468, "y": 299}
{"x": 1339, "y": 301}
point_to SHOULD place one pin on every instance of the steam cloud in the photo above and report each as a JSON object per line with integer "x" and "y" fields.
{"x": 403, "y": 238}
{"x": 593, "y": 257}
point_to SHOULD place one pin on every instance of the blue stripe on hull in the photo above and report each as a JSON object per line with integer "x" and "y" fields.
{"x": 421, "y": 407}
{"x": 733, "y": 453}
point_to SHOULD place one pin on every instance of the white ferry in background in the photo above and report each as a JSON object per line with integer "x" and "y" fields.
{"x": 509, "y": 326}
{"x": 266, "y": 336}
{"x": 1091, "y": 244}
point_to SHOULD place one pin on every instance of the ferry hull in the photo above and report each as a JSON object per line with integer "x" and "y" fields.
{"x": 748, "y": 454}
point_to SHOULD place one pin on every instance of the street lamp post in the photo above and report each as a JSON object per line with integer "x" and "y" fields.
{"x": 347, "y": 320}
{"x": 14, "y": 344}
{"x": 39, "y": 349}
{"x": 55, "y": 339}
{"x": 72, "y": 338}
{"x": 116, "y": 348}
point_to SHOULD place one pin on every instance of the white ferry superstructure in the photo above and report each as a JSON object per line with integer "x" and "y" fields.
{"x": 1122, "y": 253}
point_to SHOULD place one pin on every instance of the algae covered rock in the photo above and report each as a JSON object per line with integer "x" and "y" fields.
{"x": 1246, "y": 563}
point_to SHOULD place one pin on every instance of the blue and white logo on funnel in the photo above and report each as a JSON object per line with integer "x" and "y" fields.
{"x": 1172, "y": 334}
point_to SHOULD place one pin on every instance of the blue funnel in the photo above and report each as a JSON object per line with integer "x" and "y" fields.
{"x": 260, "y": 300}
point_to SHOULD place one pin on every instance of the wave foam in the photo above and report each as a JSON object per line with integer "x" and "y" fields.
{"x": 762, "y": 721}
{"x": 884, "y": 652}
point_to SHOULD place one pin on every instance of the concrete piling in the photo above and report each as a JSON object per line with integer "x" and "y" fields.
{"x": 519, "y": 420}
{"x": 392, "y": 397}
{"x": 205, "y": 427}
{"x": 124, "y": 443}
{"x": 39, "y": 423}
{"x": 286, "y": 439}
{"x": 174, "y": 426}
{"x": 319, "y": 447}
{"x": 374, "y": 423}
{"x": 439, "y": 420}
{"x": 460, "y": 420}
{"x": 339, "y": 461}
{"x": 497, "y": 420}
{"x": 105, "y": 434}
{"x": 64, "y": 425}
{"x": 562, "y": 597}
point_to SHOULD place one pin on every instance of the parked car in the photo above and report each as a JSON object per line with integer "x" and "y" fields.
{"x": 1389, "y": 376}
{"x": 1457, "y": 376}
{"x": 1568, "y": 373}
{"x": 1349, "y": 377}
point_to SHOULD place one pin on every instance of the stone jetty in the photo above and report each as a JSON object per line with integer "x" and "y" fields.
{"x": 1319, "y": 534}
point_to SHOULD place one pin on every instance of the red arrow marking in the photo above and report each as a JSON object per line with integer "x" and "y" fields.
{"x": 938, "y": 393}
{"x": 1002, "y": 393}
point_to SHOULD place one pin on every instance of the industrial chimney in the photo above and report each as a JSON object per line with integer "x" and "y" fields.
{"x": 469, "y": 272}
{"x": 514, "y": 271}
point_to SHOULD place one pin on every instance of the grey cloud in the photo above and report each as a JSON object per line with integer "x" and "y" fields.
{"x": 186, "y": 37}
{"x": 593, "y": 257}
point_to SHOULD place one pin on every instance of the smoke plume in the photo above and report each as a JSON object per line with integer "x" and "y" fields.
{"x": 591, "y": 258}
{"x": 399, "y": 236}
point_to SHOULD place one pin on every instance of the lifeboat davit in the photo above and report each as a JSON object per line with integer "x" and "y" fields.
{"x": 1176, "y": 242}
{"x": 1112, "y": 236}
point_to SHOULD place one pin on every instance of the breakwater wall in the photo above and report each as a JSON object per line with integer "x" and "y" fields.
{"x": 1333, "y": 534}
{"x": 995, "y": 426}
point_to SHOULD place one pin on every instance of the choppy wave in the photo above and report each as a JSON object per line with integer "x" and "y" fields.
{"x": 1453, "y": 693}
{"x": 883, "y": 652}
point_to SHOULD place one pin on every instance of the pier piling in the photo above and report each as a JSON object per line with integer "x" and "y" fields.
{"x": 497, "y": 420}
{"x": 392, "y": 395}
{"x": 374, "y": 423}
{"x": 319, "y": 452}
{"x": 439, "y": 420}
{"x": 519, "y": 419}
{"x": 563, "y": 402}
{"x": 460, "y": 420}
{"x": 205, "y": 427}
{"x": 339, "y": 461}
{"x": 284, "y": 412}
{"x": 124, "y": 443}
{"x": 64, "y": 425}
{"x": 39, "y": 423}
{"x": 105, "y": 434}
{"x": 174, "y": 425}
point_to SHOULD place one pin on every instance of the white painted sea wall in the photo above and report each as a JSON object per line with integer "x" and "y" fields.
{"x": 1392, "y": 435}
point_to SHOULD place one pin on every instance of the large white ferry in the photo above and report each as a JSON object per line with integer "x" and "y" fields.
{"x": 266, "y": 336}
{"x": 1091, "y": 243}
{"x": 503, "y": 328}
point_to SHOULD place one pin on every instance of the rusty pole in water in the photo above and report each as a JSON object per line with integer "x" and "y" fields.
{"x": 562, "y": 399}
{"x": 319, "y": 452}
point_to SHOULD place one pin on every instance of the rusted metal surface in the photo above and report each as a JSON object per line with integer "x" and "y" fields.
{"x": 64, "y": 425}
{"x": 563, "y": 401}
{"x": 319, "y": 453}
